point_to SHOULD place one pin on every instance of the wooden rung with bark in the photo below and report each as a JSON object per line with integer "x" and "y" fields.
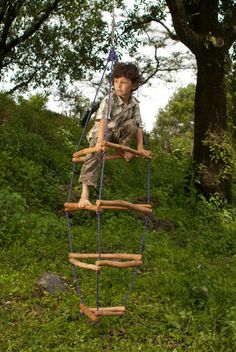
{"x": 110, "y": 204}
{"x": 117, "y": 147}
{"x": 94, "y": 313}
{"x": 88, "y": 312}
{"x": 118, "y": 264}
{"x": 107, "y": 157}
{"x": 107, "y": 313}
{"x": 84, "y": 265}
{"x": 70, "y": 207}
{"x": 75, "y": 207}
{"x": 107, "y": 309}
{"x": 124, "y": 148}
{"x": 124, "y": 256}
{"x": 84, "y": 151}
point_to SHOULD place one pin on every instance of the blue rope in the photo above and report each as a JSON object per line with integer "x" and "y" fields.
{"x": 99, "y": 256}
{"x": 106, "y": 131}
{"x": 136, "y": 271}
{"x": 71, "y": 251}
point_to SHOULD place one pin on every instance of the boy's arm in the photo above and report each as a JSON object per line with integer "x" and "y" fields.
{"x": 139, "y": 139}
{"x": 140, "y": 148}
{"x": 101, "y": 133}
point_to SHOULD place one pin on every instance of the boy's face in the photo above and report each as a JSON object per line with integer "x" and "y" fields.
{"x": 123, "y": 87}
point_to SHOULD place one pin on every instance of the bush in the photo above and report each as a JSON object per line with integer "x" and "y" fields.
{"x": 19, "y": 225}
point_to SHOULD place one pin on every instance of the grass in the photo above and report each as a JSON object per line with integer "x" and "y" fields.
{"x": 183, "y": 299}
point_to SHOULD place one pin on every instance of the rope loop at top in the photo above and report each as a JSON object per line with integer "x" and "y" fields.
{"x": 112, "y": 56}
{"x": 113, "y": 25}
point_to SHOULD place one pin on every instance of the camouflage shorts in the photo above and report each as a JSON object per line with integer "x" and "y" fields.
{"x": 122, "y": 135}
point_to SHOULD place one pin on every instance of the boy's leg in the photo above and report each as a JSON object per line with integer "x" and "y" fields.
{"x": 124, "y": 135}
{"x": 84, "y": 197}
{"x": 88, "y": 176}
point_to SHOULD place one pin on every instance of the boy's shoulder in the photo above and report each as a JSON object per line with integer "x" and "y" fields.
{"x": 135, "y": 100}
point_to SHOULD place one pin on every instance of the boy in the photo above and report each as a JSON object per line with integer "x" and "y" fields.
{"x": 124, "y": 123}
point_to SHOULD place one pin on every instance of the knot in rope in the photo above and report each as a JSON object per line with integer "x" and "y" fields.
{"x": 112, "y": 56}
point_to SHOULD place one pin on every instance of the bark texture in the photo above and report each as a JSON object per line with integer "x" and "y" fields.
{"x": 198, "y": 26}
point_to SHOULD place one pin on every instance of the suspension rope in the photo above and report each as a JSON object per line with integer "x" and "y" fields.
{"x": 136, "y": 271}
{"x": 113, "y": 25}
{"x": 74, "y": 268}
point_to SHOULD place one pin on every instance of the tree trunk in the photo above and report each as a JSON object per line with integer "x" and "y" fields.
{"x": 210, "y": 116}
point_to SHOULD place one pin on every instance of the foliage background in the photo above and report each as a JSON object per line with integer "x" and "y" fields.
{"x": 184, "y": 296}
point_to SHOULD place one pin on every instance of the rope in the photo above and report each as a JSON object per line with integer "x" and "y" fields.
{"x": 113, "y": 25}
{"x": 136, "y": 271}
{"x": 74, "y": 269}
{"x": 99, "y": 256}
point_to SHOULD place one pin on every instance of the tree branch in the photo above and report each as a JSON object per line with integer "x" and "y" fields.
{"x": 10, "y": 15}
{"x": 149, "y": 19}
{"x": 49, "y": 8}
{"x": 229, "y": 27}
{"x": 23, "y": 83}
{"x": 190, "y": 38}
{"x": 3, "y": 10}
{"x": 155, "y": 70}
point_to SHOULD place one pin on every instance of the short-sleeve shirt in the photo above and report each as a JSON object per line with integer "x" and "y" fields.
{"x": 119, "y": 113}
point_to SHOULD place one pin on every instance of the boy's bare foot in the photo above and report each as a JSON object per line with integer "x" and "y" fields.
{"x": 84, "y": 198}
{"x": 126, "y": 155}
{"x": 84, "y": 202}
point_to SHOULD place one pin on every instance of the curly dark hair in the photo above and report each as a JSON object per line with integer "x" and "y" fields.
{"x": 127, "y": 70}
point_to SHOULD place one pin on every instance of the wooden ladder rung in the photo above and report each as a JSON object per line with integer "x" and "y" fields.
{"x": 115, "y": 146}
{"x": 106, "y": 256}
{"x": 110, "y": 204}
{"x": 117, "y": 264}
{"x": 87, "y": 311}
{"x": 75, "y": 206}
{"x": 106, "y": 311}
{"x": 84, "y": 265}
{"x": 107, "y": 157}
{"x": 113, "y": 309}
{"x": 124, "y": 148}
{"x": 84, "y": 151}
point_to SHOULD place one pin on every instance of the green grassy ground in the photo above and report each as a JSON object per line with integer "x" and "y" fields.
{"x": 183, "y": 299}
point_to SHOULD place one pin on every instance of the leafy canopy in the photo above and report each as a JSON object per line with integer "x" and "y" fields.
{"x": 52, "y": 41}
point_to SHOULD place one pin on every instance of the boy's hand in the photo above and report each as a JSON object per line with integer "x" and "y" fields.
{"x": 144, "y": 153}
{"x": 99, "y": 147}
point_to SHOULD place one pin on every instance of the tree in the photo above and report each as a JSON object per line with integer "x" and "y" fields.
{"x": 231, "y": 97}
{"x": 51, "y": 41}
{"x": 208, "y": 29}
